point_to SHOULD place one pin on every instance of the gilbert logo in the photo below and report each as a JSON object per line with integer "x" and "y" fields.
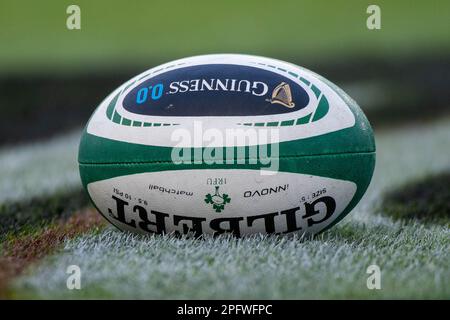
{"x": 282, "y": 95}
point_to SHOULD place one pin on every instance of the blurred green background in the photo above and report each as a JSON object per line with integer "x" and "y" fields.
{"x": 52, "y": 78}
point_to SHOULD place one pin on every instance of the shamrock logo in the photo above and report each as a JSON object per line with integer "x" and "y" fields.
{"x": 217, "y": 200}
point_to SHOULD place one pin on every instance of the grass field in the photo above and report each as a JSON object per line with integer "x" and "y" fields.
{"x": 398, "y": 74}
{"x": 116, "y": 33}
{"x": 30, "y": 170}
{"x": 413, "y": 256}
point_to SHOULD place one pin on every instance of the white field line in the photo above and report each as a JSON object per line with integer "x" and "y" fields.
{"x": 39, "y": 168}
{"x": 403, "y": 155}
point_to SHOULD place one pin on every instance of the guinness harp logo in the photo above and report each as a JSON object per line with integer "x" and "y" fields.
{"x": 282, "y": 95}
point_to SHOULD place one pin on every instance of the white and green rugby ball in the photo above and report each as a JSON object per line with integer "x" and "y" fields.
{"x": 226, "y": 143}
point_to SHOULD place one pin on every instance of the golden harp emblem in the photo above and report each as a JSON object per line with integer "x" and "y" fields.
{"x": 282, "y": 95}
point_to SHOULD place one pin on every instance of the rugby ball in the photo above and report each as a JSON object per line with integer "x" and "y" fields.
{"x": 226, "y": 143}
